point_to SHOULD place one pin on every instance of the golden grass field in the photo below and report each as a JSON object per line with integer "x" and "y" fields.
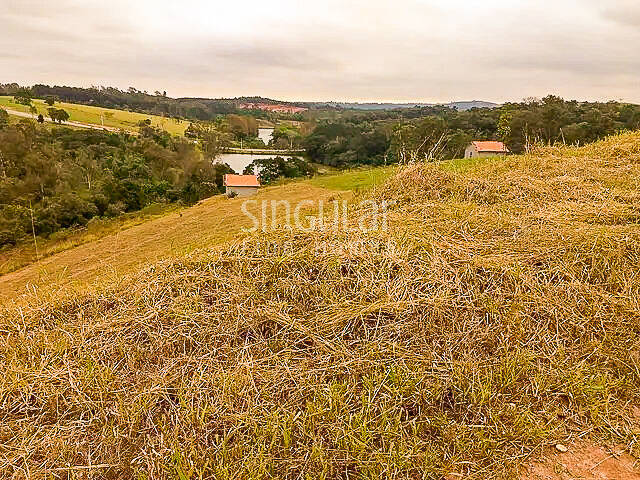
{"x": 497, "y": 317}
{"x": 96, "y": 115}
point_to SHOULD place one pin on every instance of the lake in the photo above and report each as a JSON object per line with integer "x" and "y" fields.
{"x": 239, "y": 161}
{"x": 265, "y": 134}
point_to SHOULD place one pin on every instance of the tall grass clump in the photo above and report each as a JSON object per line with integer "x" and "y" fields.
{"x": 498, "y": 315}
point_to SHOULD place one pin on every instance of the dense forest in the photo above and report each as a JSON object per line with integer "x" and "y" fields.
{"x": 427, "y": 133}
{"x": 65, "y": 177}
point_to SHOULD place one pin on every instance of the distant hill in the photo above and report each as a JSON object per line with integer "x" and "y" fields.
{"x": 468, "y": 105}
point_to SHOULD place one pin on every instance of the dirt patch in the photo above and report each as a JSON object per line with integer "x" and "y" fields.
{"x": 585, "y": 462}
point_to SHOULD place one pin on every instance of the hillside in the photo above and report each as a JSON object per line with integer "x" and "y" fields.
{"x": 113, "y": 118}
{"x": 212, "y": 222}
{"x": 496, "y": 317}
{"x": 462, "y": 106}
{"x": 96, "y": 254}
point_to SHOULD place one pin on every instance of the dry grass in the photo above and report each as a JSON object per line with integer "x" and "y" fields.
{"x": 499, "y": 314}
{"x": 210, "y": 223}
{"x": 13, "y": 258}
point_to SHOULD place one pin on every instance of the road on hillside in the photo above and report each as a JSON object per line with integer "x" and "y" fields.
{"x": 70, "y": 123}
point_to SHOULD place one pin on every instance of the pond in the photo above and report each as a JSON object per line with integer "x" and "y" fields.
{"x": 265, "y": 134}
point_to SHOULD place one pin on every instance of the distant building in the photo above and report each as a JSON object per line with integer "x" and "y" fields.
{"x": 485, "y": 149}
{"x": 271, "y": 108}
{"x": 241, "y": 185}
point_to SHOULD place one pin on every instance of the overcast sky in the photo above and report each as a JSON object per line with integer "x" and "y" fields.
{"x": 358, "y": 50}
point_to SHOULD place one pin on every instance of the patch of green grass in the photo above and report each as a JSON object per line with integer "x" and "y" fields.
{"x": 460, "y": 164}
{"x": 354, "y": 180}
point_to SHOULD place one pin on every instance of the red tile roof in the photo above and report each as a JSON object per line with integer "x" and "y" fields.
{"x": 272, "y": 108}
{"x": 497, "y": 147}
{"x": 241, "y": 181}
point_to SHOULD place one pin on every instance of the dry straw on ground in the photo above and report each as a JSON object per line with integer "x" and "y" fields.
{"x": 499, "y": 314}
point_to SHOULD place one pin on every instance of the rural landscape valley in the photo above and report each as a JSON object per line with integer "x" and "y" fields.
{"x": 345, "y": 242}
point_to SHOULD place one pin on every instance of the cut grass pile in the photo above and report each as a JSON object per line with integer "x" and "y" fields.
{"x": 96, "y": 115}
{"x": 499, "y": 314}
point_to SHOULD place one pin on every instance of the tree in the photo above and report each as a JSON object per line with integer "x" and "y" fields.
{"x": 271, "y": 169}
{"x": 211, "y": 138}
{"x": 40, "y": 118}
{"x": 424, "y": 140}
{"x": 49, "y": 100}
{"x": 23, "y": 97}
{"x": 504, "y": 126}
{"x": 58, "y": 115}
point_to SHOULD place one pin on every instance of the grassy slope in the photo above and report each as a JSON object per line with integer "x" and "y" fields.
{"x": 13, "y": 258}
{"x": 212, "y": 222}
{"x": 498, "y": 315}
{"x": 355, "y": 180}
{"x": 217, "y": 218}
{"x": 92, "y": 115}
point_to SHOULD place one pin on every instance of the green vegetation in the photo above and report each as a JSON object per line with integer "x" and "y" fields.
{"x": 497, "y": 315}
{"x": 138, "y": 241}
{"x": 286, "y": 136}
{"x": 272, "y": 169}
{"x": 51, "y": 179}
{"x": 343, "y": 144}
{"x": 437, "y": 133}
{"x": 100, "y": 116}
{"x": 25, "y": 253}
{"x": 158, "y": 104}
{"x": 230, "y": 131}
{"x": 23, "y": 97}
{"x": 339, "y": 137}
{"x": 14, "y": 257}
{"x": 57, "y": 115}
{"x": 356, "y": 180}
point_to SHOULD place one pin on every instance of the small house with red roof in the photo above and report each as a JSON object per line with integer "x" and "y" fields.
{"x": 486, "y": 149}
{"x": 241, "y": 185}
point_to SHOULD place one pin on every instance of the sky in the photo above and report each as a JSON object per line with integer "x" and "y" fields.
{"x": 341, "y": 50}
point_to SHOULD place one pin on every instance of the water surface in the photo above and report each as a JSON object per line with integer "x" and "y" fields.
{"x": 265, "y": 134}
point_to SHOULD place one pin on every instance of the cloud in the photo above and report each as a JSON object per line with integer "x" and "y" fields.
{"x": 625, "y": 12}
{"x": 414, "y": 50}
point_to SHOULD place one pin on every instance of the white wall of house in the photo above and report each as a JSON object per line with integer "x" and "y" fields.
{"x": 242, "y": 191}
{"x": 472, "y": 152}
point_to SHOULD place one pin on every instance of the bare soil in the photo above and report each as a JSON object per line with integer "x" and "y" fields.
{"x": 585, "y": 462}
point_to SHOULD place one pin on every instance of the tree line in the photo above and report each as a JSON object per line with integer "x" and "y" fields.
{"x": 429, "y": 133}
{"x": 132, "y": 99}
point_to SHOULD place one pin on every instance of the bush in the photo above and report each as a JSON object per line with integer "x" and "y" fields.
{"x": 115, "y": 209}
{"x": 4, "y": 118}
{"x": 15, "y": 224}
